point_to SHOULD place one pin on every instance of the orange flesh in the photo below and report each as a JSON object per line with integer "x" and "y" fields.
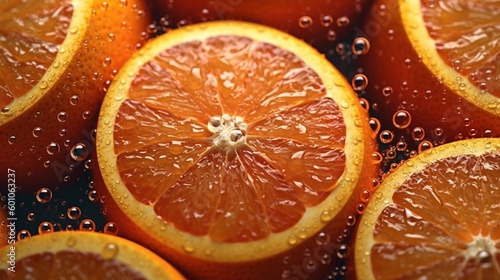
{"x": 70, "y": 265}
{"x": 467, "y": 35}
{"x": 444, "y": 223}
{"x": 30, "y": 35}
{"x": 292, "y": 158}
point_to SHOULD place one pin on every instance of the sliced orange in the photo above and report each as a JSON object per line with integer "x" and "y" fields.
{"x": 82, "y": 255}
{"x": 227, "y": 147}
{"x": 436, "y": 64}
{"x": 56, "y": 61}
{"x": 436, "y": 217}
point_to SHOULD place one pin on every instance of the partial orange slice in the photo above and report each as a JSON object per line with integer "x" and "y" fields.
{"x": 56, "y": 61}
{"x": 433, "y": 71}
{"x": 229, "y": 146}
{"x": 435, "y": 217}
{"x": 82, "y": 255}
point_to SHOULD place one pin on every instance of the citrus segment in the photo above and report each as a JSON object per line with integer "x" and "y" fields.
{"x": 231, "y": 144}
{"x": 436, "y": 216}
{"x": 30, "y": 33}
{"x": 83, "y": 255}
{"x": 467, "y": 38}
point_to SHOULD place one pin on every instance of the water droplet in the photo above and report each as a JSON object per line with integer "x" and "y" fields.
{"x": 104, "y": 5}
{"x": 107, "y": 61}
{"x": 407, "y": 63}
{"x": 74, "y": 213}
{"x": 111, "y": 228}
{"x": 123, "y": 3}
{"x": 188, "y": 247}
{"x": 292, "y": 239}
{"x": 401, "y": 119}
{"x": 386, "y": 136}
{"x": 360, "y": 208}
{"x": 418, "y": 133}
{"x": 45, "y": 227}
{"x": 424, "y": 146}
{"x": 326, "y": 20}
{"x": 343, "y": 21}
{"x": 71, "y": 242}
{"x": 5, "y": 110}
{"x": 401, "y": 146}
{"x": 305, "y": 21}
{"x": 62, "y": 116}
{"x": 351, "y": 221}
{"x": 44, "y": 85}
{"x": 23, "y": 234}
{"x": 111, "y": 37}
{"x": 365, "y": 196}
{"x": 331, "y": 35}
{"x": 86, "y": 115}
{"x": 343, "y": 251}
{"x": 31, "y": 216}
{"x": 73, "y": 30}
{"x": 374, "y": 125}
{"x": 109, "y": 251}
{"x": 326, "y": 216}
{"x": 12, "y": 140}
{"x": 359, "y": 82}
{"x": 322, "y": 238}
{"x": 52, "y": 148}
{"x": 93, "y": 195}
{"x": 376, "y": 157}
{"x": 87, "y": 225}
{"x": 73, "y": 100}
{"x": 43, "y": 195}
{"x": 79, "y": 152}
{"x": 360, "y": 46}
{"x": 37, "y": 131}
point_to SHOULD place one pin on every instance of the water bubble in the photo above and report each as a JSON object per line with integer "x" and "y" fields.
{"x": 43, "y": 195}
{"x": 63, "y": 132}
{"x": 52, "y": 148}
{"x": 37, "y": 131}
{"x": 123, "y": 3}
{"x": 111, "y": 37}
{"x": 111, "y": 228}
{"x": 360, "y": 46}
{"x": 376, "y": 157}
{"x": 326, "y": 20}
{"x": 386, "y": 136}
{"x": 292, "y": 239}
{"x": 351, "y": 221}
{"x": 360, "y": 208}
{"x": 45, "y": 227}
{"x": 343, "y": 251}
{"x": 418, "y": 133}
{"x": 424, "y": 146}
{"x": 365, "y": 196}
{"x": 5, "y": 110}
{"x": 104, "y": 5}
{"x": 359, "y": 82}
{"x": 310, "y": 265}
{"x": 62, "y": 116}
{"x": 343, "y": 21}
{"x": 407, "y": 63}
{"x": 331, "y": 35}
{"x": 305, "y": 21}
{"x": 79, "y": 152}
{"x": 401, "y": 119}
{"x": 74, "y": 213}
{"x": 93, "y": 195}
{"x": 401, "y": 146}
{"x": 87, "y": 225}
{"x": 12, "y": 140}
{"x": 31, "y": 216}
{"x": 23, "y": 234}
{"x": 322, "y": 238}
{"x": 73, "y": 100}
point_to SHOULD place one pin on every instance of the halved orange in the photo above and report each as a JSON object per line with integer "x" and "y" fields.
{"x": 436, "y": 217}
{"x": 56, "y": 61}
{"x": 82, "y": 255}
{"x": 228, "y": 147}
{"x": 433, "y": 67}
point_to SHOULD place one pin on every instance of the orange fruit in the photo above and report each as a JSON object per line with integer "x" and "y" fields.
{"x": 321, "y": 23}
{"x": 57, "y": 60}
{"x": 82, "y": 255}
{"x": 234, "y": 156}
{"x": 435, "y": 217}
{"x": 432, "y": 70}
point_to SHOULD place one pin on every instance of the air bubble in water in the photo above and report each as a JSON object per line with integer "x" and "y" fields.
{"x": 360, "y": 46}
{"x": 111, "y": 228}
{"x": 23, "y": 234}
{"x": 62, "y": 116}
{"x": 79, "y": 152}
{"x": 53, "y": 148}
{"x": 359, "y": 82}
{"x": 305, "y": 21}
{"x": 43, "y": 195}
{"x": 74, "y": 213}
{"x": 37, "y": 131}
{"x": 401, "y": 119}
{"x": 87, "y": 225}
{"x": 45, "y": 227}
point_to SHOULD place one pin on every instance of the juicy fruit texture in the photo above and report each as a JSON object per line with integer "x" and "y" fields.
{"x": 413, "y": 71}
{"x": 436, "y": 216}
{"x": 321, "y": 23}
{"x": 58, "y": 58}
{"x": 467, "y": 38}
{"x": 229, "y": 153}
{"x": 83, "y": 255}
{"x": 27, "y": 55}
{"x": 221, "y": 130}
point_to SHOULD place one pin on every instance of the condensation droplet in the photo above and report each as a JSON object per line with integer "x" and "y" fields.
{"x": 43, "y": 195}
{"x": 107, "y": 61}
{"x": 188, "y": 247}
{"x": 292, "y": 239}
{"x": 109, "y": 251}
{"x": 326, "y": 216}
{"x": 111, "y": 37}
{"x": 387, "y": 91}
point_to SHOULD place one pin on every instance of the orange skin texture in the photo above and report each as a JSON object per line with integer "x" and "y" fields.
{"x": 280, "y": 14}
{"x": 270, "y": 268}
{"x": 28, "y": 155}
{"x": 384, "y": 65}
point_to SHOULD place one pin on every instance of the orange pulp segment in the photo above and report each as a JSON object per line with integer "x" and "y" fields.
{"x": 435, "y": 217}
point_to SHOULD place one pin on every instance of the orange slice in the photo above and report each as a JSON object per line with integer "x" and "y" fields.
{"x": 56, "y": 61}
{"x": 435, "y": 217}
{"x": 440, "y": 70}
{"x": 82, "y": 255}
{"x": 225, "y": 152}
